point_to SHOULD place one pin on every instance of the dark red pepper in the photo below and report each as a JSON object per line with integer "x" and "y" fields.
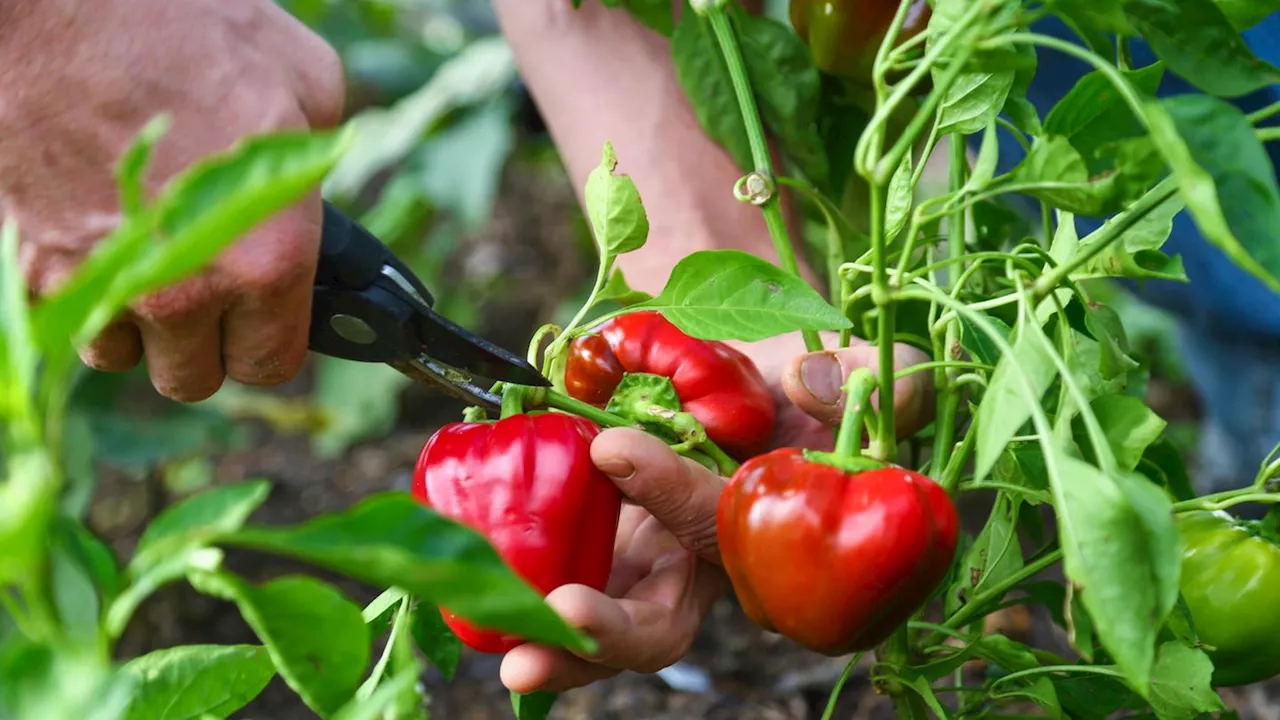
{"x": 526, "y": 483}
{"x": 831, "y": 559}
{"x": 717, "y": 384}
{"x": 593, "y": 371}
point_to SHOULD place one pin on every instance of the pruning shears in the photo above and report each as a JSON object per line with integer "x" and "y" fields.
{"x": 369, "y": 307}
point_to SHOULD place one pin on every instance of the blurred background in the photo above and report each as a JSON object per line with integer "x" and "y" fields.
{"x": 453, "y": 169}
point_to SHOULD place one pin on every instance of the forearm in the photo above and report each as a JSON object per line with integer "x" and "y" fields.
{"x": 598, "y": 75}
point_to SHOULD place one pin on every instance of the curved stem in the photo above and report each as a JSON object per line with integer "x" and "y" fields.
{"x": 771, "y": 208}
{"x": 829, "y": 713}
{"x": 1110, "y": 71}
{"x": 858, "y": 389}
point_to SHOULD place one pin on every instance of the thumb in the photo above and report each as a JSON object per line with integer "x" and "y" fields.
{"x": 814, "y": 383}
{"x": 678, "y": 492}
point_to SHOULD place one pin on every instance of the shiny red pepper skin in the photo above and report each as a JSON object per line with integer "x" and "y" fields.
{"x": 717, "y": 384}
{"x": 593, "y": 371}
{"x": 844, "y": 35}
{"x": 835, "y": 561}
{"x": 526, "y": 483}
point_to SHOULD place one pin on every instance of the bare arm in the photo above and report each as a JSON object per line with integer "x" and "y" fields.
{"x": 599, "y": 75}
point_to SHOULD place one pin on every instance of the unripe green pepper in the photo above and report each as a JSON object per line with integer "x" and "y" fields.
{"x": 1231, "y": 585}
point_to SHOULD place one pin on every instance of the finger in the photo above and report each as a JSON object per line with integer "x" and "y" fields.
{"x": 182, "y": 343}
{"x": 648, "y": 630}
{"x": 678, "y": 492}
{"x": 117, "y": 348}
{"x": 272, "y": 272}
{"x": 316, "y": 69}
{"x": 814, "y": 383}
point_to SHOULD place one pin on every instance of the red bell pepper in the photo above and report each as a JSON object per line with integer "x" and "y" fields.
{"x": 717, "y": 384}
{"x": 834, "y": 560}
{"x": 526, "y": 483}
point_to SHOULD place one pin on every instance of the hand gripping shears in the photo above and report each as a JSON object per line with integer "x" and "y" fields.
{"x": 369, "y": 307}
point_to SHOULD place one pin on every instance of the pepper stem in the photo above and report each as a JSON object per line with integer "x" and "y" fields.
{"x": 857, "y": 389}
{"x": 512, "y": 400}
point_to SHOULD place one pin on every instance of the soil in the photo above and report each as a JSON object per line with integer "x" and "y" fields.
{"x": 734, "y": 670}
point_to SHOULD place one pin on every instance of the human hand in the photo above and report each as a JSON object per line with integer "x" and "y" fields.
{"x": 80, "y": 80}
{"x": 667, "y": 571}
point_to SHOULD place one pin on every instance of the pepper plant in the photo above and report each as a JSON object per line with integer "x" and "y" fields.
{"x": 1039, "y": 398}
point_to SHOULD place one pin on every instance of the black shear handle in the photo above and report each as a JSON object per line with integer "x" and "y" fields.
{"x": 352, "y": 258}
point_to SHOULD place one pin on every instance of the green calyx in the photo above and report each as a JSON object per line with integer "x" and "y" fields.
{"x": 855, "y": 464}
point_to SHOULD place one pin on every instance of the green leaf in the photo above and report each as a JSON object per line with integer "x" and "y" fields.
{"x": 201, "y": 212}
{"x": 1055, "y": 172}
{"x": 74, "y": 597}
{"x": 984, "y": 167}
{"x": 1225, "y": 176}
{"x": 1196, "y": 40}
{"x": 1092, "y": 697}
{"x": 131, "y": 168}
{"x": 617, "y": 290}
{"x": 1180, "y": 683}
{"x": 378, "y": 706}
{"x": 358, "y": 402}
{"x": 197, "y": 519}
{"x": 483, "y": 69}
{"x": 977, "y": 342}
{"x": 193, "y": 682}
{"x": 730, "y": 294}
{"x": 1099, "y": 15}
{"x": 1136, "y": 254}
{"x": 90, "y": 553}
{"x": 614, "y": 207}
{"x": 1093, "y": 115}
{"x": 899, "y": 200}
{"x": 1122, "y": 551}
{"x": 654, "y": 14}
{"x": 316, "y": 637}
{"x": 169, "y": 567}
{"x": 973, "y": 101}
{"x": 1244, "y": 14}
{"x": 704, "y": 77}
{"x": 1021, "y": 469}
{"x": 994, "y": 555}
{"x": 1163, "y": 463}
{"x": 1128, "y": 424}
{"x": 441, "y": 646}
{"x": 390, "y": 540}
{"x": 1020, "y": 110}
{"x": 1000, "y": 650}
{"x": 1005, "y": 408}
{"x": 1040, "y": 691}
{"x": 787, "y": 88}
{"x": 534, "y": 705}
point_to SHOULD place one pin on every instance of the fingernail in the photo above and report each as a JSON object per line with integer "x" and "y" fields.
{"x": 822, "y": 377}
{"x": 619, "y": 470}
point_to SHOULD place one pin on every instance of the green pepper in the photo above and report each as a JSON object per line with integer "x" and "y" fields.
{"x": 844, "y": 35}
{"x": 1231, "y": 584}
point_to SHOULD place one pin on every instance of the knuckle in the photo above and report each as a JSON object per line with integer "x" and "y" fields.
{"x": 272, "y": 365}
{"x": 328, "y": 101}
{"x": 173, "y": 306}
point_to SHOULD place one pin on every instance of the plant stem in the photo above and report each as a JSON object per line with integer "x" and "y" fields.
{"x": 829, "y": 713}
{"x": 513, "y": 397}
{"x": 884, "y": 446}
{"x": 944, "y": 378}
{"x": 1109, "y": 233}
{"x": 771, "y": 207}
{"x": 559, "y": 401}
{"x": 857, "y": 401}
{"x": 975, "y": 606}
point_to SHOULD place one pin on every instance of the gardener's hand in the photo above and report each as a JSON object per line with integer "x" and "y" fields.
{"x": 667, "y": 571}
{"x": 80, "y": 80}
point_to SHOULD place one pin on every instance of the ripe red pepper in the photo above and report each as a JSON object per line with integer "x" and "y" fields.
{"x": 717, "y": 384}
{"x": 844, "y": 35}
{"x": 526, "y": 483}
{"x": 834, "y": 560}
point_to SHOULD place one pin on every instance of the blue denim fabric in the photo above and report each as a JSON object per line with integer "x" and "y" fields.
{"x": 1229, "y": 321}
